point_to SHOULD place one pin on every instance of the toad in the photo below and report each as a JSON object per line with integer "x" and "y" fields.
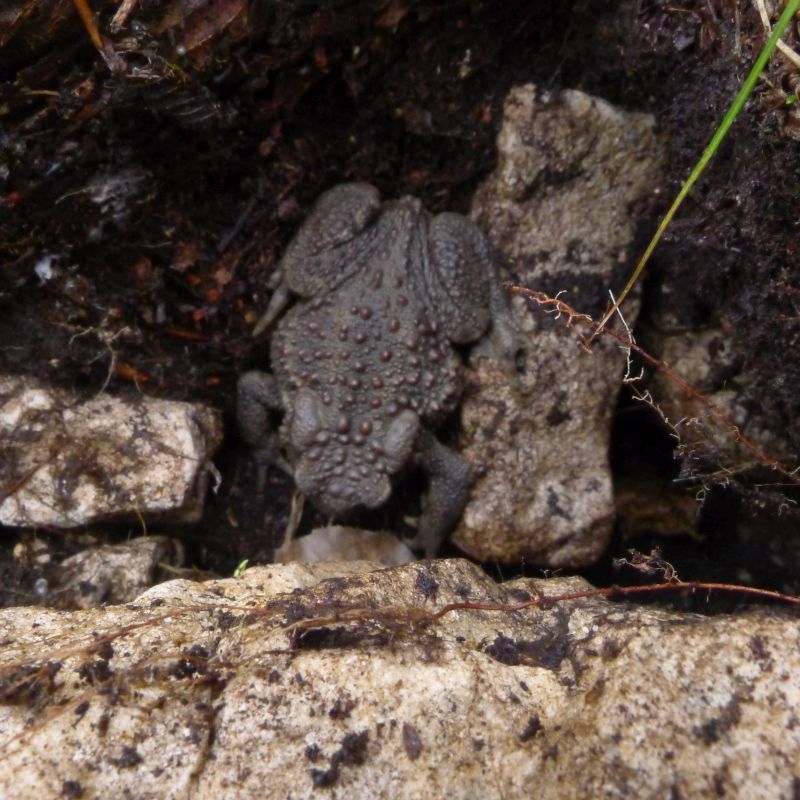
{"x": 364, "y": 364}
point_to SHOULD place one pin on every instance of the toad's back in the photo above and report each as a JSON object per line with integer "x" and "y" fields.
{"x": 371, "y": 347}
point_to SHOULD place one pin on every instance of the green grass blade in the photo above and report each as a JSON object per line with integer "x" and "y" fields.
{"x": 741, "y": 98}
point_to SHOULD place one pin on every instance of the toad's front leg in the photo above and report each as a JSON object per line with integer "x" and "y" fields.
{"x": 257, "y": 394}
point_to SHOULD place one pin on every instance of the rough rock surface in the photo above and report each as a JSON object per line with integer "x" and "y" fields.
{"x": 115, "y": 573}
{"x": 65, "y": 463}
{"x": 572, "y": 173}
{"x": 292, "y": 678}
{"x": 709, "y": 361}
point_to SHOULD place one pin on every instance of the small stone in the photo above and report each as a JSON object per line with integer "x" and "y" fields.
{"x": 105, "y": 458}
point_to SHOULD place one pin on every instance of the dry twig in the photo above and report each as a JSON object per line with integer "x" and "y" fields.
{"x": 559, "y": 307}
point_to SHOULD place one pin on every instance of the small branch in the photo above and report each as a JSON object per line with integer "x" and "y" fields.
{"x": 122, "y": 14}
{"x": 87, "y": 17}
{"x": 626, "y": 340}
{"x": 712, "y": 407}
{"x": 113, "y": 61}
{"x": 621, "y": 591}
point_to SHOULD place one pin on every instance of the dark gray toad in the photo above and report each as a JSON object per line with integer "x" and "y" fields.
{"x": 363, "y": 364}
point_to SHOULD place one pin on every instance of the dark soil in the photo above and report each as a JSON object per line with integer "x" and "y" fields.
{"x": 146, "y": 196}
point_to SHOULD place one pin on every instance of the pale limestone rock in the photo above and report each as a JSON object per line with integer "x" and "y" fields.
{"x": 68, "y": 463}
{"x": 224, "y": 696}
{"x": 562, "y": 209}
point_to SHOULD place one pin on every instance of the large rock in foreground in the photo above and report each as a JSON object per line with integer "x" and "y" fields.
{"x": 230, "y": 689}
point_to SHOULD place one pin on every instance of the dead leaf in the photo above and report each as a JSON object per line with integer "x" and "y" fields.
{"x": 392, "y": 15}
{"x": 205, "y": 23}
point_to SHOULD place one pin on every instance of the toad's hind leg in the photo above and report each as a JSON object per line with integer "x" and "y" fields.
{"x": 324, "y": 251}
{"x": 451, "y": 477}
{"x": 464, "y": 289}
{"x": 458, "y": 275}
